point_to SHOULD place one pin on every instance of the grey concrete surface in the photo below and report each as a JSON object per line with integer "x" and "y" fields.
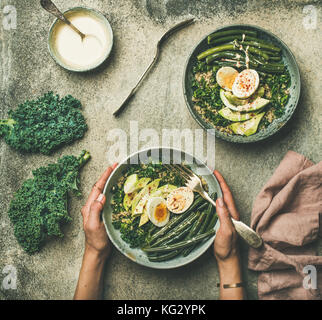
{"x": 27, "y": 70}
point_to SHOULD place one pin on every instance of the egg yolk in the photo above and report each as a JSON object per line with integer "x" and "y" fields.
{"x": 229, "y": 81}
{"x": 160, "y": 212}
{"x": 227, "y": 78}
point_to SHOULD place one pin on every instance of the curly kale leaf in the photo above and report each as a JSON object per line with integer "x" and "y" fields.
{"x": 44, "y": 125}
{"x": 131, "y": 233}
{"x": 207, "y": 97}
{"x": 39, "y": 207}
{"x": 279, "y": 91}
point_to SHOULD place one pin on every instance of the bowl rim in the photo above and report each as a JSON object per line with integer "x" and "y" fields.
{"x": 232, "y": 138}
{"x": 102, "y": 60}
{"x": 155, "y": 265}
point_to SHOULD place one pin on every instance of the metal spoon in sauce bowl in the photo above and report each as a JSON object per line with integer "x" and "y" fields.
{"x": 51, "y": 8}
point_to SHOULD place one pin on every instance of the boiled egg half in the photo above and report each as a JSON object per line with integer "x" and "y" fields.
{"x": 179, "y": 200}
{"x": 246, "y": 83}
{"x": 157, "y": 211}
{"x": 226, "y": 76}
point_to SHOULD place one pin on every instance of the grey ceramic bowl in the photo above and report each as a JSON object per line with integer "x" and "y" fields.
{"x": 277, "y": 124}
{"x": 157, "y": 154}
{"x": 56, "y": 56}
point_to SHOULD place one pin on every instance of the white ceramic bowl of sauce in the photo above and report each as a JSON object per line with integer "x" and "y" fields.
{"x": 70, "y": 51}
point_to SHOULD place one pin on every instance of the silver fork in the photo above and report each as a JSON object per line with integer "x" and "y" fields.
{"x": 194, "y": 183}
{"x": 153, "y": 62}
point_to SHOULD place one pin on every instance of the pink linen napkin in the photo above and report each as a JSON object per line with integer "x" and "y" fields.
{"x": 286, "y": 213}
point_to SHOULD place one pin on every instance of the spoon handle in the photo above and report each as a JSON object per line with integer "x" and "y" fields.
{"x": 251, "y": 237}
{"x": 51, "y": 8}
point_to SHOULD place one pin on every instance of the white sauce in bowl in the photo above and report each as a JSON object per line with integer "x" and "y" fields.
{"x": 78, "y": 53}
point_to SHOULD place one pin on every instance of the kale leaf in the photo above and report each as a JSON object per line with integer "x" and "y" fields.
{"x": 39, "y": 207}
{"x": 44, "y": 125}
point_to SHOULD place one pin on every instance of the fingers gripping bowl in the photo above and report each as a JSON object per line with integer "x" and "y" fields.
{"x": 243, "y": 82}
{"x": 133, "y": 219}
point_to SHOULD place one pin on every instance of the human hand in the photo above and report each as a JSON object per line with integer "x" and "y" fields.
{"x": 225, "y": 245}
{"x": 96, "y": 239}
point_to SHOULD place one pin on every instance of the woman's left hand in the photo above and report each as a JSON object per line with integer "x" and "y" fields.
{"x": 96, "y": 238}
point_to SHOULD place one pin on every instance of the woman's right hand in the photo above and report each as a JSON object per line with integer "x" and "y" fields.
{"x": 225, "y": 246}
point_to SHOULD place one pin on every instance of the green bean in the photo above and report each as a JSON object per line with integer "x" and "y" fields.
{"x": 153, "y": 230}
{"x": 243, "y": 38}
{"x": 231, "y": 55}
{"x": 194, "y": 232}
{"x": 225, "y": 47}
{"x": 242, "y": 63}
{"x": 212, "y": 211}
{"x": 275, "y": 58}
{"x": 188, "y": 233}
{"x": 273, "y": 53}
{"x": 180, "y": 235}
{"x": 272, "y": 71}
{"x": 262, "y": 74}
{"x": 226, "y": 39}
{"x": 204, "y": 225}
{"x": 271, "y": 68}
{"x": 258, "y": 52}
{"x": 256, "y": 58}
{"x": 203, "y": 206}
{"x": 224, "y": 54}
{"x": 273, "y": 61}
{"x": 233, "y": 63}
{"x": 274, "y": 65}
{"x": 251, "y": 49}
{"x": 171, "y": 224}
{"x": 177, "y": 230}
{"x": 235, "y": 46}
{"x": 261, "y": 45}
{"x": 220, "y": 34}
{"x": 176, "y": 220}
{"x": 266, "y": 66}
{"x": 212, "y": 222}
{"x": 202, "y": 228}
{"x": 182, "y": 244}
{"x": 195, "y": 228}
{"x": 273, "y": 48}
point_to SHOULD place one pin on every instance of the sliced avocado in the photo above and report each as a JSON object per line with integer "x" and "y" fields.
{"x": 260, "y": 92}
{"x": 133, "y": 184}
{"x": 144, "y": 219}
{"x": 147, "y": 190}
{"x": 247, "y": 128}
{"x": 142, "y": 183}
{"x": 255, "y": 104}
{"x": 234, "y": 100}
{"x": 130, "y": 183}
{"x": 236, "y": 116}
{"x": 139, "y": 209}
{"x": 127, "y": 201}
{"x": 164, "y": 191}
{"x": 241, "y": 102}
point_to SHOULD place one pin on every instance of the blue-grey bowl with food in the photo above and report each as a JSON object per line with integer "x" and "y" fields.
{"x": 143, "y": 180}
{"x": 243, "y": 82}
